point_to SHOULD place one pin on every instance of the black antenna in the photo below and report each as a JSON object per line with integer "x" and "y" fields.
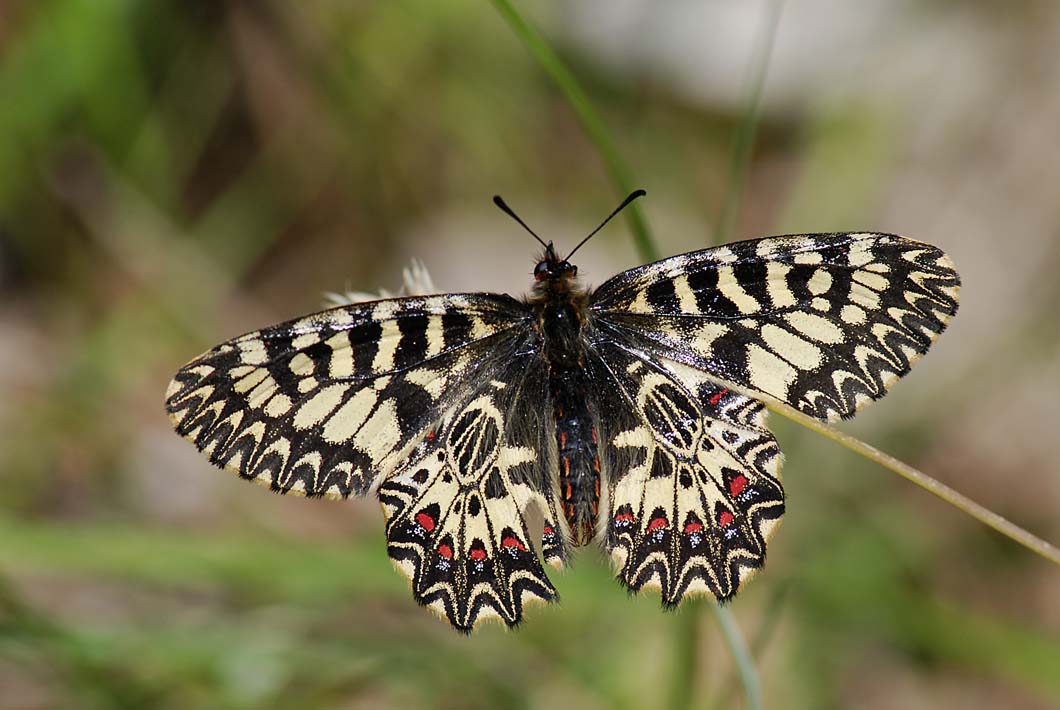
{"x": 632, "y": 196}
{"x": 508, "y": 210}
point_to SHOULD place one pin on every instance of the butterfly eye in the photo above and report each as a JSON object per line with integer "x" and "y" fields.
{"x": 541, "y": 271}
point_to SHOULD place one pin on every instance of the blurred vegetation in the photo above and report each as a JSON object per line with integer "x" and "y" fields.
{"x": 174, "y": 172}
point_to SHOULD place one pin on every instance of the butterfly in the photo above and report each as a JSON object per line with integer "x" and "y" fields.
{"x": 500, "y": 433}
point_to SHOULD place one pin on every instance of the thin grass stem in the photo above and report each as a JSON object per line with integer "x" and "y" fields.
{"x": 745, "y": 665}
{"x": 961, "y": 502}
{"x": 589, "y": 119}
{"x": 686, "y": 661}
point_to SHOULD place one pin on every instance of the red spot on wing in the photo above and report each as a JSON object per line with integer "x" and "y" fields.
{"x": 477, "y": 553}
{"x": 693, "y": 527}
{"x": 431, "y": 435}
{"x": 737, "y": 485}
{"x": 511, "y": 542}
{"x": 624, "y": 518}
{"x": 657, "y": 524}
{"x": 425, "y": 521}
{"x": 547, "y": 530}
{"x": 563, "y": 440}
{"x": 717, "y": 396}
{"x": 444, "y": 551}
{"x": 725, "y": 519}
{"x": 593, "y": 432}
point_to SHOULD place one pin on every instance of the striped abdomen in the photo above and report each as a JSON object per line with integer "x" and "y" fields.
{"x": 579, "y": 463}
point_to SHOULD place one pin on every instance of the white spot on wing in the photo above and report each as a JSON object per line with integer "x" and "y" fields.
{"x": 264, "y": 389}
{"x": 388, "y": 342}
{"x": 820, "y": 282}
{"x": 864, "y": 297}
{"x": 348, "y": 418}
{"x": 871, "y": 280}
{"x": 251, "y": 380}
{"x": 278, "y": 405}
{"x": 300, "y": 364}
{"x": 731, "y": 289}
{"x": 315, "y": 409}
{"x": 808, "y": 257}
{"x": 380, "y": 433}
{"x": 854, "y": 315}
{"x": 799, "y": 351}
{"x": 435, "y": 336}
{"x": 686, "y": 298}
{"x": 815, "y": 327}
{"x": 304, "y": 340}
{"x": 341, "y": 362}
{"x": 430, "y": 380}
{"x": 252, "y": 351}
{"x": 705, "y": 335}
{"x": 777, "y": 286}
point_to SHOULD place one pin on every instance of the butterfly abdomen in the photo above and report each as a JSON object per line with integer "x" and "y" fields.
{"x": 579, "y": 463}
{"x": 561, "y": 313}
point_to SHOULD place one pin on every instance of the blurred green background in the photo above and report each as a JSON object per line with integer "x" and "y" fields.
{"x": 176, "y": 172}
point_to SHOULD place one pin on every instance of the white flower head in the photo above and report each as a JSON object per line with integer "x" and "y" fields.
{"x": 416, "y": 281}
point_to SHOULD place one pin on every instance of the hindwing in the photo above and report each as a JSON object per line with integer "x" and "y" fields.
{"x": 457, "y": 510}
{"x": 694, "y": 478}
{"x": 823, "y": 322}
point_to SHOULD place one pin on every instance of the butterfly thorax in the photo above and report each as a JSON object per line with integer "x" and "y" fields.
{"x": 560, "y": 304}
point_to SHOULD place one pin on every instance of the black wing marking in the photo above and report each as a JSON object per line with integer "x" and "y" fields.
{"x": 824, "y": 322}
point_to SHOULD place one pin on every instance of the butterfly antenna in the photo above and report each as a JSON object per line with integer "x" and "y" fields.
{"x": 508, "y": 211}
{"x": 632, "y": 196}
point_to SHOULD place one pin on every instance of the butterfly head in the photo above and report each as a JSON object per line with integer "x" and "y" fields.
{"x": 551, "y": 268}
{"x": 553, "y": 273}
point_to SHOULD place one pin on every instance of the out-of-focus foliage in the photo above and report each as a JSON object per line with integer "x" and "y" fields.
{"x": 176, "y": 172}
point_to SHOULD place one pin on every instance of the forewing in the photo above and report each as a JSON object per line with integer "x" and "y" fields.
{"x": 694, "y": 489}
{"x": 823, "y": 322}
{"x": 327, "y": 404}
{"x": 457, "y": 511}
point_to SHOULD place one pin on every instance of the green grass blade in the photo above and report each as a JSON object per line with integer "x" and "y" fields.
{"x": 590, "y": 121}
{"x": 745, "y": 135}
